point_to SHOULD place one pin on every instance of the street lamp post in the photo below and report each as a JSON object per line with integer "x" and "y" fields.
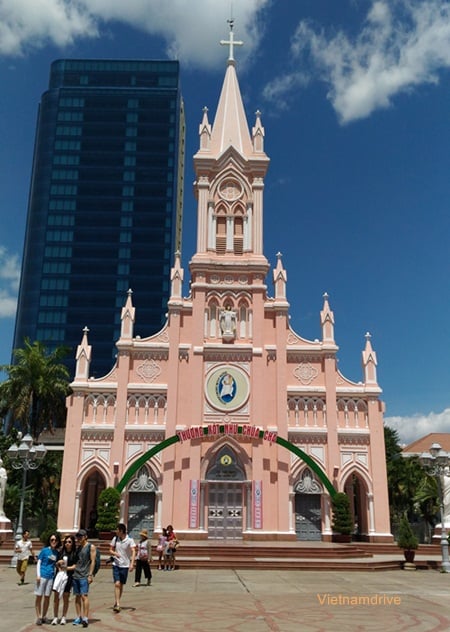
{"x": 25, "y": 456}
{"x": 437, "y": 462}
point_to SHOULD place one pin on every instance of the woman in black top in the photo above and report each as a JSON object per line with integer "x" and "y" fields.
{"x": 66, "y": 562}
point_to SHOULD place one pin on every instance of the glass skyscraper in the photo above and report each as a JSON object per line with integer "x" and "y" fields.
{"x": 105, "y": 205}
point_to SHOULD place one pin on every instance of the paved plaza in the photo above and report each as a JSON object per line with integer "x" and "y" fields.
{"x": 252, "y": 601}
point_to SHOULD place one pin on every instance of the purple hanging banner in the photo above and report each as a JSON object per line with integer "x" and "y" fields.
{"x": 257, "y": 504}
{"x": 194, "y": 504}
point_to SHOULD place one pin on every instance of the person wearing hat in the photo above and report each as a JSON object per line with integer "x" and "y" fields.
{"x": 83, "y": 576}
{"x": 143, "y": 559}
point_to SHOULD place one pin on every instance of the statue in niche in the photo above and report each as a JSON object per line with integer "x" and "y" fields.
{"x": 228, "y": 323}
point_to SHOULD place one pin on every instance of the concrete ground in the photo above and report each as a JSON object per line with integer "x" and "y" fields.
{"x": 251, "y": 601}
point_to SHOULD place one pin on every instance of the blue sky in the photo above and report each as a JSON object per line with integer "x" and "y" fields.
{"x": 355, "y": 100}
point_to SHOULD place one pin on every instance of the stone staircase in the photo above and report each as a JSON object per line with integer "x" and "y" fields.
{"x": 356, "y": 556}
{"x": 294, "y": 556}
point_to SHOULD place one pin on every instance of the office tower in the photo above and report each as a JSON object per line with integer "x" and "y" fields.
{"x": 105, "y": 205}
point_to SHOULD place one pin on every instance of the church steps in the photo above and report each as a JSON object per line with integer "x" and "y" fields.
{"x": 283, "y": 556}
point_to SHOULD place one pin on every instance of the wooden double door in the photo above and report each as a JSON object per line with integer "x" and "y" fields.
{"x": 225, "y": 510}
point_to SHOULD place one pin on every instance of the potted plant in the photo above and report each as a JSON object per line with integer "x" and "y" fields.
{"x": 108, "y": 508}
{"x": 407, "y": 541}
{"x": 342, "y": 522}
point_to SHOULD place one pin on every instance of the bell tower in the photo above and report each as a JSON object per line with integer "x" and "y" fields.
{"x": 229, "y": 268}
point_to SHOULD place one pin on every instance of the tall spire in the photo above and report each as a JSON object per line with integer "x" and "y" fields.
{"x": 369, "y": 359}
{"x": 127, "y": 317}
{"x": 230, "y": 124}
{"x": 83, "y": 357}
{"x": 230, "y": 166}
{"x": 327, "y": 321}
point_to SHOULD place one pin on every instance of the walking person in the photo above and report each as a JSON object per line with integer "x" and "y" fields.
{"x": 45, "y": 572}
{"x": 123, "y": 550}
{"x": 63, "y": 583}
{"x": 161, "y": 548}
{"x": 143, "y": 559}
{"x": 24, "y": 550}
{"x": 83, "y": 576}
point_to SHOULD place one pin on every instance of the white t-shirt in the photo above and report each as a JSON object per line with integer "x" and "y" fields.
{"x": 25, "y": 547}
{"x": 124, "y": 549}
{"x": 143, "y": 550}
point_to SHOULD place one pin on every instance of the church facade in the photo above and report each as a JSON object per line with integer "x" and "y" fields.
{"x": 227, "y": 423}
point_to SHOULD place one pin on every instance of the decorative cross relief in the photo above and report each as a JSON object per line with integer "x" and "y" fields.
{"x": 306, "y": 373}
{"x": 148, "y": 370}
{"x": 230, "y": 190}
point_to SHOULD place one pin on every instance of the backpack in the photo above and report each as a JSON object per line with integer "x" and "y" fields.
{"x": 98, "y": 560}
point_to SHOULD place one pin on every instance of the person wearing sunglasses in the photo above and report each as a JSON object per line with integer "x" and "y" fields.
{"x": 62, "y": 585}
{"x": 45, "y": 572}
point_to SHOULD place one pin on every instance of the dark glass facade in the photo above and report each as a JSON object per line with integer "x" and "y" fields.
{"x": 105, "y": 206}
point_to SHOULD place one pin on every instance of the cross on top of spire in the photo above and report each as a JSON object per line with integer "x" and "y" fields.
{"x": 231, "y": 41}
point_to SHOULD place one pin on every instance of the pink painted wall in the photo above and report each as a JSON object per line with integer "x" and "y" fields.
{"x": 283, "y": 382}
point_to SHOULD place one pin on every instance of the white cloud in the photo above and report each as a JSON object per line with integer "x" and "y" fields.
{"x": 280, "y": 88}
{"x": 402, "y": 44}
{"x": 28, "y": 24}
{"x": 416, "y": 426}
{"x": 191, "y": 28}
{"x": 9, "y": 282}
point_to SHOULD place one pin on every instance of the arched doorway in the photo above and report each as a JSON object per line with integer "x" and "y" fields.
{"x": 225, "y": 486}
{"x": 356, "y": 489}
{"x": 141, "y": 503}
{"x": 94, "y": 484}
{"x": 308, "y": 507}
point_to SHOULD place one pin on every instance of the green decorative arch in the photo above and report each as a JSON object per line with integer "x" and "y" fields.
{"x": 176, "y": 439}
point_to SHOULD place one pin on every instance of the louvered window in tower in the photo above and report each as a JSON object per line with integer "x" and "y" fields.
{"x": 238, "y": 236}
{"x": 221, "y": 235}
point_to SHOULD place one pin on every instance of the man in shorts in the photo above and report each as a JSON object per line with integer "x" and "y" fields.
{"x": 83, "y": 576}
{"x": 123, "y": 552}
{"x": 24, "y": 549}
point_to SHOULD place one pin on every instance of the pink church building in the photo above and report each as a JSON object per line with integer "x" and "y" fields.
{"x": 227, "y": 423}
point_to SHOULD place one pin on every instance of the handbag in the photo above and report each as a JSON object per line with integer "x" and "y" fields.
{"x": 60, "y": 581}
{"x": 145, "y": 555}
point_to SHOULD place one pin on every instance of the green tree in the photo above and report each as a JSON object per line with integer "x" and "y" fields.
{"x": 427, "y": 499}
{"x": 33, "y": 395}
{"x": 41, "y": 492}
{"x": 412, "y": 492}
{"x": 404, "y": 476}
{"x": 406, "y": 538}
{"x": 342, "y": 514}
{"x": 108, "y": 508}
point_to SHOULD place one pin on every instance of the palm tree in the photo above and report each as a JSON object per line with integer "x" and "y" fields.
{"x": 405, "y": 476}
{"x": 427, "y": 499}
{"x": 34, "y": 394}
